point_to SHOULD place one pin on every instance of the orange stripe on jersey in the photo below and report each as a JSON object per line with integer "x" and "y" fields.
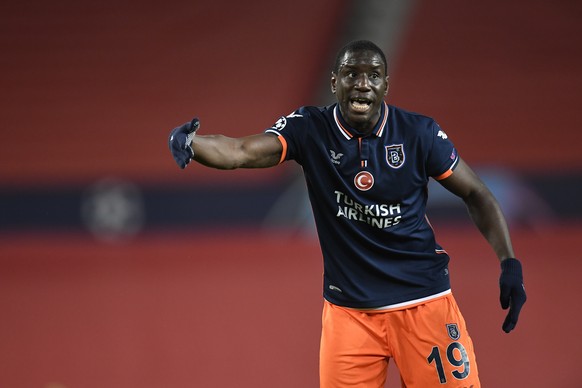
{"x": 345, "y": 132}
{"x": 444, "y": 175}
{"x": 384, "y": 119}
{"x": 428, "y": 221}
{"x": 437, "y": 251}
{"x": 284, "y": 151}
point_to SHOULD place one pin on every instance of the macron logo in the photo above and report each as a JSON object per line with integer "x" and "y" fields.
{"x": 442, "y": 134}
{"x": 335, "y": 156}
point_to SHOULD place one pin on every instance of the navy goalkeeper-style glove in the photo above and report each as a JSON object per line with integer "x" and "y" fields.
{"x": 180, "y": 142}
{"x": 512, "y": 291}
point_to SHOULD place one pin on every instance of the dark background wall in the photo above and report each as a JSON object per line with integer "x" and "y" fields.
{"x": 118, "y": 269}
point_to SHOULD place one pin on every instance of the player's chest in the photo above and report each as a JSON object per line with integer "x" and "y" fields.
{"x": 389, "y": 157}
{"x": 370, "y": 163}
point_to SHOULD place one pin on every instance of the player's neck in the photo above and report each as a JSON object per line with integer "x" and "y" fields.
{"x": 361, "y": 129}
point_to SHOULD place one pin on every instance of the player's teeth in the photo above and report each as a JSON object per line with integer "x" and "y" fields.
{"x": 359, "y": 106}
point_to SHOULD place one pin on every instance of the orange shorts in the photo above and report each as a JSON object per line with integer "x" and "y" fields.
{"x": 428, "y": 342}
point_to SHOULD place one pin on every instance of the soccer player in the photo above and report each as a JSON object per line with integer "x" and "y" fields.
{"x": 386, "y": 280}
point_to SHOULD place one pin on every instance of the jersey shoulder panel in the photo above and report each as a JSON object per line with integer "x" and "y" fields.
{"x": 298, "y": 127}
{"x": 439, "y": 151}
{"x": 411, "y": 123}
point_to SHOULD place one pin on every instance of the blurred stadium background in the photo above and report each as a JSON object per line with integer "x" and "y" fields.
{"x": 119, "y": 270}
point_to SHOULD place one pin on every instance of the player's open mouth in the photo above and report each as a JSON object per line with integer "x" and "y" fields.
{"x": 360, "y": 104}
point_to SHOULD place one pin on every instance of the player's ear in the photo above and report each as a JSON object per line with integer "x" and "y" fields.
{"x": 333, "y": 82}
{"x": 387, "y": 86}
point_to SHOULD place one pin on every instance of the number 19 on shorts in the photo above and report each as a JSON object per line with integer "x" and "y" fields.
{"x": 456, "y": 355}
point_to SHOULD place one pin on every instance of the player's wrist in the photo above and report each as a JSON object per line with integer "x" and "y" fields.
{"x": 511, "y": 265}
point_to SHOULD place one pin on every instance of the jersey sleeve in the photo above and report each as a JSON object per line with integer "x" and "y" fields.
{"x": 291, "y": 131}
{"x": 443, "y": 156}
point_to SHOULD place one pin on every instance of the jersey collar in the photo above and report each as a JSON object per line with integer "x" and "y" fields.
{"x": 349, "y": 132}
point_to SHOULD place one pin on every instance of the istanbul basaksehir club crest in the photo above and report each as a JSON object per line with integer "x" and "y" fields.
{"x": 453, "y": 331}
{"x": 395, "y": 155}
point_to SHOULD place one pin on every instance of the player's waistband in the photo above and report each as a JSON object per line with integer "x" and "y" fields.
{"x": 403, "y": 305}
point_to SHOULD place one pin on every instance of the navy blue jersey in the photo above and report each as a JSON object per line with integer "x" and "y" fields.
{"x": 369, "y": 195}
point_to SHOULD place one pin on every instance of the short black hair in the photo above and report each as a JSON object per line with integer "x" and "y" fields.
{"x": 359, "y": 45}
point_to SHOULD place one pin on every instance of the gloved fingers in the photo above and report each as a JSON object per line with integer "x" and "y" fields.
{"x": 180, "y": 142}
{"x": 509, "y": 323}
{"x": 517, "y": 300}
{"x": 183, "y": 162}
{"x": 510, "y": 279}
{"x": 194, "y": 125}
{"x": 512, "y": 293}
{"x": 504, "y": 296}
{"x": 174, "y": 144}
{"x": 511, "y": 318}
{"x": 185, "y": 129}
{"x": 182, "y": 157}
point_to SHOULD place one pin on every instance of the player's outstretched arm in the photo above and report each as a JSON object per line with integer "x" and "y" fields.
{"x": 488, "y": 217}
{"x": 483, "y": 208}
{"x": 222, "y": 152}
{"x": 256, "y": 151}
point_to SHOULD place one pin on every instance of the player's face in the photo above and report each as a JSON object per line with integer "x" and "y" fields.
{"x": 360, "y": 86}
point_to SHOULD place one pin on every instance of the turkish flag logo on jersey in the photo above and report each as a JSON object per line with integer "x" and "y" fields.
{"x": 364, "y": 181}
{"x": 395, "y": 155}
